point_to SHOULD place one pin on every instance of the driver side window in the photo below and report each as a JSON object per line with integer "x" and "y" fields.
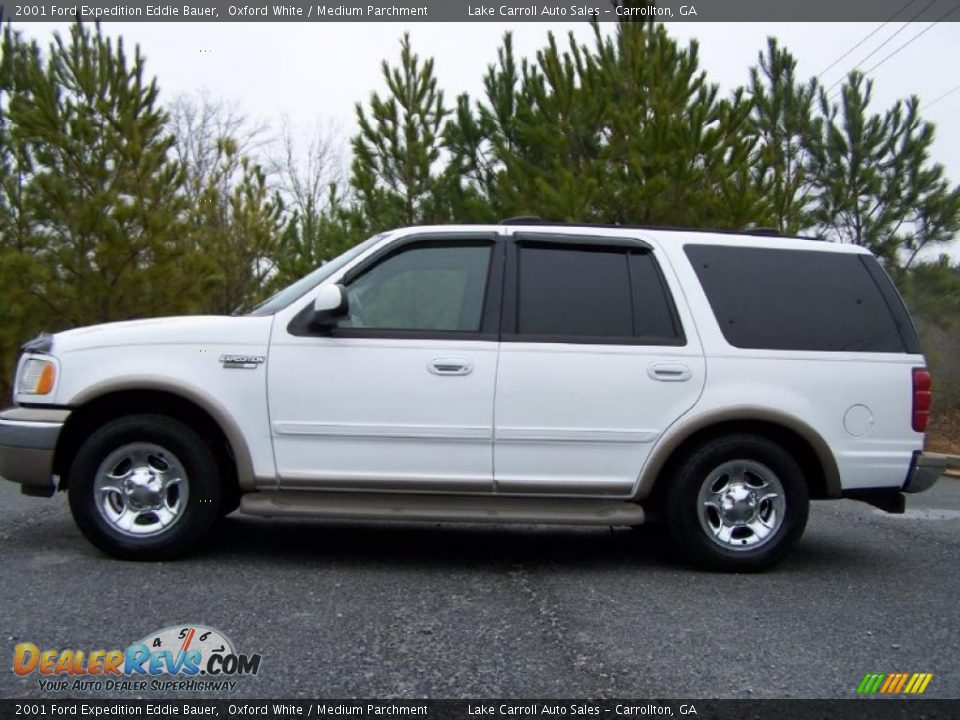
{"x": 422, "y": 288}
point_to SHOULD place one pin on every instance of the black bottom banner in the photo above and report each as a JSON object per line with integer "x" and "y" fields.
{"x": 873, "y": 708}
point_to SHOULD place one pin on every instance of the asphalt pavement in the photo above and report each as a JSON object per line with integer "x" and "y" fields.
{"x": 376, "y": 610}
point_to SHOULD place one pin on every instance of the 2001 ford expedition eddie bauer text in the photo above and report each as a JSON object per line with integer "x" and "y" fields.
{"x": 521, "y": 372}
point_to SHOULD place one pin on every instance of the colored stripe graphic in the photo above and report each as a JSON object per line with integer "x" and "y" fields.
{"x": 894, "y": 683}
{"x": 890, "y": 682}
{"x": 914, "y": 682}
{"x": 919, "y": 683}
{"x": 903, "y": 680}
{"x": 870, "y": 683}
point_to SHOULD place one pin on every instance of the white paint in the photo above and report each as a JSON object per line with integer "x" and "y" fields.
{"x": 181, "y": 353}
{"x": 858, "y": 420}
{"x": 530, "y": 418}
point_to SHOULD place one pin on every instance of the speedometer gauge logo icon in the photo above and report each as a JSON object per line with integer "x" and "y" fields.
{"x": 182, "y": 639}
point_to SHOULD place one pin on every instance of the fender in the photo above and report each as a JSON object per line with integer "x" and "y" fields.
{"x": 683, "y": 430}
{"x": 238, "y": 444}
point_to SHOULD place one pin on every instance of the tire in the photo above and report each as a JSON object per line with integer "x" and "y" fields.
{"x": 738, "y": 504}
{"x": 144, "y": 487}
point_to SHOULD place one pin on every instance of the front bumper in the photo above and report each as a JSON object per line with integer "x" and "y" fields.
{"x": 28, "y": 438}
{"x": 925, "y": 469}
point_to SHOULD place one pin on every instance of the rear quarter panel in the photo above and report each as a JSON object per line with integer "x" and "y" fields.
{"x": 858, "y": 402}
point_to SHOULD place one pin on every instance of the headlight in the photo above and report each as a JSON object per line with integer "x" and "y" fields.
{"x": 37, "y": 377}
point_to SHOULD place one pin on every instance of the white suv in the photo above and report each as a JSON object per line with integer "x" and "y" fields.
{"x": 522, "y": 372}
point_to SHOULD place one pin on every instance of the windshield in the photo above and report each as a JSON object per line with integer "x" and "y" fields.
{"x": 297, "y": 289}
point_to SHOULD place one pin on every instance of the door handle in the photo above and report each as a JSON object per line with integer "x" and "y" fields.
{"x": 450, "y": 366}
{"x": 669, "y": 372}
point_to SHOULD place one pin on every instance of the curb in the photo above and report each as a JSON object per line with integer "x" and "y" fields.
{"x": 953, "y": 466}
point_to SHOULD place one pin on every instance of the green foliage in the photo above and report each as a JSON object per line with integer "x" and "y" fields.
{"x": 91, "y": 212}
{"x": 875, "y": 184}
{"x": 235, "y": 226}
{"x": 111, "y": 210}
{"x": 398, "y": 147}
{"x": 787, "y": 130}
{"x": 21, "y": 270}
{"x": 626, "y": 131}
{"x": 103, "y": 195}
{"x": 315, "y": 234}
{"x": 932, "y": 292}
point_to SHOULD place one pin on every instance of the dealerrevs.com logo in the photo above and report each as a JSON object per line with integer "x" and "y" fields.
{"x": 183, "y": 657}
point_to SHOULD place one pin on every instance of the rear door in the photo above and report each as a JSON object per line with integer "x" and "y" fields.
{"x": 595, "y": 363}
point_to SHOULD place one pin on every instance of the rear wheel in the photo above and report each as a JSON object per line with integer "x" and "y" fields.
{"x": 737, "y": 504}
{"x": 144, "y": 487}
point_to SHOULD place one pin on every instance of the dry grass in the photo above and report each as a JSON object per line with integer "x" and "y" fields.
{"x": 943, "y": 433}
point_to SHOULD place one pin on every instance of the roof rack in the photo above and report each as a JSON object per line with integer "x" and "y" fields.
{"x": 765, "y": 231}
{"x": 526, "y": 220}
{"x": 756, "y": 231}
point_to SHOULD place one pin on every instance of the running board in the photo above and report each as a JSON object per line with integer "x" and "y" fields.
{"x": 440, "y": 508}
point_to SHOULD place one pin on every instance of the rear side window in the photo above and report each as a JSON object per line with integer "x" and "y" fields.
{"x": 774, "y": 299}
{"x": 574, "y": 292}
{"x": 592, "y": 294}
{"x": 653, "y": 314}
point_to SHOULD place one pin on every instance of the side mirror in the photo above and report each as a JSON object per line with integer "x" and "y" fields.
{"x": 329, "y": 305}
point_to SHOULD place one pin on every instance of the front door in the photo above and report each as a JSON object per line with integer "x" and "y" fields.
{"x": 594, "y": 365}
{"x": 399, "y": 396}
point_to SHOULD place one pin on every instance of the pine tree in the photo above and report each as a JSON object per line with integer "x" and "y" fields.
{"x": 626, "y": 131}
{"x": 674, "y": 152}
{"x": 875, "y": 183}
{"x": 104, "y": 196}
{"x": 236, "y": 227}
{"x": 395, "y": 171}
{"x": 785, "y": 121}
{"x": 476, "y": 138}
{"x": 22, "y": 313}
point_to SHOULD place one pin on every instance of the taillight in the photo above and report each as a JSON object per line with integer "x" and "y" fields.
{"x": 922, "y": 397}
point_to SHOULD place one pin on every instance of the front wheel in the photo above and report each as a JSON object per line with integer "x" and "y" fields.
{"x": 144, "y": 487}
{"x": 737, "y": 504}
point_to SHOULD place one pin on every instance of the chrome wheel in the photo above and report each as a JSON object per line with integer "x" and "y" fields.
{"x": 741, "y": 505}
{"x": 141, "y": 489}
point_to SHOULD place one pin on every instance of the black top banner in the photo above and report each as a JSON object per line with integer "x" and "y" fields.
{"x": 875, "y": 709}
{"x": 321, "y": 11}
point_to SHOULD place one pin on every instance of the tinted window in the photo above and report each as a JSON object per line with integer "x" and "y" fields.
{"x": 576, "y": 292}
{"x": 653, "y": 314}
{"x": 429, "y": 288}
{"x": 795, "y": 300}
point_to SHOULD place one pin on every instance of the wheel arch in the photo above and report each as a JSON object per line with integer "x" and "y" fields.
{"x": 101, "y": 403}
{"x": 805, "y": 444}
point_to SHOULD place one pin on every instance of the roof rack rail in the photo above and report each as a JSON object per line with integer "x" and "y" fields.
{"x": 764, "y": 231}
{"x": 755, "y": 231}
{"x": 526, "y": 220}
